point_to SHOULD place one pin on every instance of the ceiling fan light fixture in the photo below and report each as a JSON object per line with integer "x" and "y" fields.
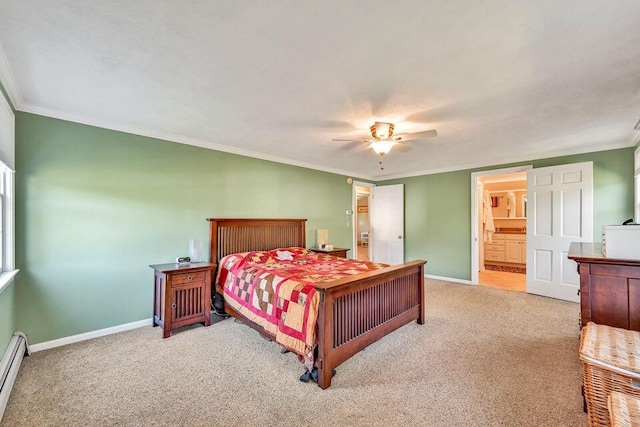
{"x": 382, "y": 130}
{"x": 382, "y": 147}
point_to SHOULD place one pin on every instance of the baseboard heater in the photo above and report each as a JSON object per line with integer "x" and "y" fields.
{"x": 9, "y": 366}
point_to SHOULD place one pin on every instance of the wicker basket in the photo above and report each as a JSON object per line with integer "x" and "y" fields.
{"x": 624, "y": 410}
{"x": 610, "y": 362}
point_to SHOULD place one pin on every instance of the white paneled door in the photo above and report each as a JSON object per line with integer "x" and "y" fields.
{"x": 387, "y": 224}
{"x": 559, "y": 211}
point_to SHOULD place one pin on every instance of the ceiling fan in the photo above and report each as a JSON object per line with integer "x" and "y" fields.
{"x": 383, "y": 138}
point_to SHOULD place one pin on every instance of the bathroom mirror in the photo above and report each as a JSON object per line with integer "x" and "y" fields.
{"x": 503, "y": 208}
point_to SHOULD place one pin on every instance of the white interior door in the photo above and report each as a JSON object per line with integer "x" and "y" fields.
{"x": 559, "y": 211}
{"x": 387, "y": 224}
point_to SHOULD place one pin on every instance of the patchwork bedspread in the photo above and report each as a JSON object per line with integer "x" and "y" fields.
{"x": 276, "y": 290}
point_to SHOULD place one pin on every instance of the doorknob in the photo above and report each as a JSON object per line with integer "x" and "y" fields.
{"x": 400, "y": 237}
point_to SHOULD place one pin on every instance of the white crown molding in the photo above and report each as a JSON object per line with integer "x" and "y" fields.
{"x": 8, "y": 80}
{"x": 89, "y": 335}
{"x": 257, "y": 155}
{"x": 27, "y": 108}
{"x": 506, "y": 161}
{"x": 4, "y": 104}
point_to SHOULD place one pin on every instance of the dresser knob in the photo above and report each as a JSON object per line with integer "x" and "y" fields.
{"x": 189, "y": 278}
{"x": 174, "y": 305}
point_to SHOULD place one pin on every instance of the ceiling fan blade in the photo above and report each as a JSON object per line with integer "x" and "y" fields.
{"x": 352, "y": 145}
{"x": 418, "y": 135}
{"x": 403, "y": 148}
{"x": 348, "y": 140}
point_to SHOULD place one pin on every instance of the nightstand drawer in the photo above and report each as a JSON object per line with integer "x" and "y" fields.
{"x": 188, "y": 277}
{"x": 495, "y": 256}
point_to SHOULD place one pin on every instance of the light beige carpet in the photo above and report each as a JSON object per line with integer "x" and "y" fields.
{"x": 485, "y": 357}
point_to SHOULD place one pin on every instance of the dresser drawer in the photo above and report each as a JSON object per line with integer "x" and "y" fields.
{"x": 521, "y": 237}
{"x": 188, "y": 277}
{"x": 497, "y": 236}
{"x": 494, "y": 247}
{"x": 494, "y": 256}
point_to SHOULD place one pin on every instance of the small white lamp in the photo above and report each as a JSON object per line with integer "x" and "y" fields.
{"x": 323, "y": 237}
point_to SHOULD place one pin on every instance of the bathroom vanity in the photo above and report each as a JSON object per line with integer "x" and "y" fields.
{"x": 508, "y": 246}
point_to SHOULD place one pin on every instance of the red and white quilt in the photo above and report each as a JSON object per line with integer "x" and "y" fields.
{"x": 276, "y": 290}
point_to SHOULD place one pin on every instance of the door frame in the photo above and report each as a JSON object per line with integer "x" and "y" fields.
{"x": 475, "y": 251}
{"x": 354, "y": 213}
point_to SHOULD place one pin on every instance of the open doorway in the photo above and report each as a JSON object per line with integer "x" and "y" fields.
{"x": 501, "y": 229}
{"x": 361, "y": 223}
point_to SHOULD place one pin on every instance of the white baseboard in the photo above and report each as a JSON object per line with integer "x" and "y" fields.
{"x": 89, "y": 335}
{"x": 448, "y": 279}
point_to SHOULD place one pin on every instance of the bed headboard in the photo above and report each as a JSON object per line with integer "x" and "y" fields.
{"x": 231, "y": 235}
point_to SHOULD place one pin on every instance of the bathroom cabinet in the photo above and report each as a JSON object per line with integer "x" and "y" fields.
{"x": 506, "y": 248}
{"x": 516, "y": 248}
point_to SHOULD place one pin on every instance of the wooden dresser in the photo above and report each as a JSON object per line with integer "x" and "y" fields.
{"x": 182, "y": 295}
{"x": 609, "y": 288}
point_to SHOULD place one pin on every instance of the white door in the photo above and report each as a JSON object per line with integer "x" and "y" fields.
{"x": 559, "y": 211}
{"x": 387, "y": 224}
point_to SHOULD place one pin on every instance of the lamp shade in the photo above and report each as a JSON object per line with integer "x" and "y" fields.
{"x": 382, "y": 147}
{"x": 323, "y": 237}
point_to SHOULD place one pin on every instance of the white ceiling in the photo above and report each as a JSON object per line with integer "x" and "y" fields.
{"x": 501, "y": 81}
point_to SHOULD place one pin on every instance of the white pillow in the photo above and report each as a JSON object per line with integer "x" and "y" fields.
{"x": 284, "y": 256}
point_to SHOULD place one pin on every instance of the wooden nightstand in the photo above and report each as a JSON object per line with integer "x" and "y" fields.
{"x": 339, "y": 252}
{"x": 182, "y": 295}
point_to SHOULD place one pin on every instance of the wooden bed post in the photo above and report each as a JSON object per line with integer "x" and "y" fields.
{"x": 357, "y": 311}
{"x": 325, "y": 328}
{"x": 423, "y": 298}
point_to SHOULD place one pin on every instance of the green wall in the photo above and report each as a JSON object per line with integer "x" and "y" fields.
{"x": 96, "y": 207}
{"x": 438, "y": 208}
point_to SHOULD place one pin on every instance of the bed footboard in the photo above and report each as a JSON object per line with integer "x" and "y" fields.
{"x": 355, "y": 314}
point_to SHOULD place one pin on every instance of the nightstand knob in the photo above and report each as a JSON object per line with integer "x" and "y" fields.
{"x": 189, "y": 278}
{"x": 174, "y": 305}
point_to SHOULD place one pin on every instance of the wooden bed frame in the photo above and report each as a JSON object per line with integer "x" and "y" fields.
{"x": 354, "y": 312}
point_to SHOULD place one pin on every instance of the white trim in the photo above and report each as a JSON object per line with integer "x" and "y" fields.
{"x": 475, "y": 250}
{"x": 9, "y": 221}
{"x": 5, "y": 105}
{"x": 6, "y": 278}
{"x": 181, "y": 139}
{"x": 636, "y": 183}
{"x": 354, "y": 210}
{"x": 89, "y": 335}
{"x": 28, "y": 108}
{"x": 8, "y": 80}
{"x": 448, "y": 279}
{"x": 525, "y": 158}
